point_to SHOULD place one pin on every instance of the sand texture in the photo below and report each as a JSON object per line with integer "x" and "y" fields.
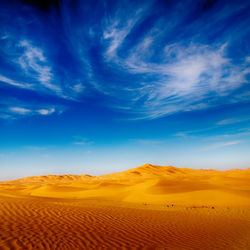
{"x": 149, "y": 207}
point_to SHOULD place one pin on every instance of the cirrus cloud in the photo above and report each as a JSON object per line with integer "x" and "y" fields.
{"x": 142, "y": 58}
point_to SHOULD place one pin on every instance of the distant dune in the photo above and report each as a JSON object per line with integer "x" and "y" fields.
{"x": 149, "y": 207}
{"x": 148, "y": 183}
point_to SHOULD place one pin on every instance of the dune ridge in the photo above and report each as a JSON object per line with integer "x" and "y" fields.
{"x": 147, "y": 183}
{"x": 148, "y": 207}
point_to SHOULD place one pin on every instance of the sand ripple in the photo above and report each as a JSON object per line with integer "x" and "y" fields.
{"x": 56, "y": 224}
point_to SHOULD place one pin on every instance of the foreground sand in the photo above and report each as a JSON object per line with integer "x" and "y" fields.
{"x": 149, "y": 207}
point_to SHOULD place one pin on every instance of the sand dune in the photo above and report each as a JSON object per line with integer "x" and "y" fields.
{"x": 149, "y": 207}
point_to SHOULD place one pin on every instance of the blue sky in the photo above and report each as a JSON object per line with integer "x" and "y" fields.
{"x": 103, "y": 86}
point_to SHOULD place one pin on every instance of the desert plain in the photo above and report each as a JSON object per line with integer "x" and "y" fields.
{"x": 149, "y": 207}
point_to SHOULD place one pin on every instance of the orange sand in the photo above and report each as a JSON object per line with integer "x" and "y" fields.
{"x": 149, "y": 207}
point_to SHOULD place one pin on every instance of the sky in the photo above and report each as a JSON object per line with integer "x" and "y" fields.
{"x": 95, "y": 87}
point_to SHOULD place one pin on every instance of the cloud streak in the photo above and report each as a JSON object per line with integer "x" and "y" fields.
{"x": 20, "y": 110}
{"x": 221, "y": 145}
{"x": 232, "y": 121}
{"x": 15, "y": 112}
{"x": 9, "y": 81}
{"x": 35, "y": 65}
{"x": 81, "y": 141}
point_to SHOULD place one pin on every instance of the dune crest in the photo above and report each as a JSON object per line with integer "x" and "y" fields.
{"x": 147, "y": 183}
{"x": 51, "y": 178}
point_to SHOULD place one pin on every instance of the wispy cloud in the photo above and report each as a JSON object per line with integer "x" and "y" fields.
{"x": 117, "y": 28}
{"x": 212, "y": 133}
{"x": 35, "y": 64}
{"x": 115, "y": 35}
{"x": 15, "y": 112}
{"x": 232, "y": 121}
{"x": 175, "y": 77}
{"x": 20, "y": 110}
{"x": 9, "y": 81}
{"x": 241, "y": 134}
{"x": 182, "y": 134}
{"x": 185, "y": 82}
{"x": 78, "y": 88}
{"x": 221, "y": 145}
{"x": 46, "y": 111}
{"x": 195, "y": 132}
{"x": 82, "y": 141}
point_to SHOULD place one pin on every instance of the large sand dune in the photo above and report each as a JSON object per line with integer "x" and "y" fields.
{"x": 149, "y": 207}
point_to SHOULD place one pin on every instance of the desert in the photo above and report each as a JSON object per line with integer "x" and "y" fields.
{"x": 124, "y": 124}
{"x": 148, "y": 207}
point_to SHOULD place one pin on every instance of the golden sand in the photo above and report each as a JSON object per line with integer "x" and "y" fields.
{"x": 149, "y": 207}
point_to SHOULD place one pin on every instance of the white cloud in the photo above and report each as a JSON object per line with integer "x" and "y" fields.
{"x": 181, "y": 134}
{"x": 227, "y": 121}
{"x": 184, "y": 78}
{"x": 8, "y": 112}
{"x": 20, "y": 110}
{"x": 198, "y": 69}
{"x": 80, "y": 143}
{"x": 115, "y": 35}
{"x": 79, "y": 140}
{"x": 78, "y": 88}
{"x": 45, "y": 111}
{"x": 14, "y": 83}
{"x": 117, "y": 29}
{"x": 222, "y": 145}
{"x": 35, "y": 64}
{"x": 241, "y": 134}
{"x": 231, "y": 121}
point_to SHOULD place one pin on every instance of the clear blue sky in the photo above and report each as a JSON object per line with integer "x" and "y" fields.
{"x": 103, "y": 86}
